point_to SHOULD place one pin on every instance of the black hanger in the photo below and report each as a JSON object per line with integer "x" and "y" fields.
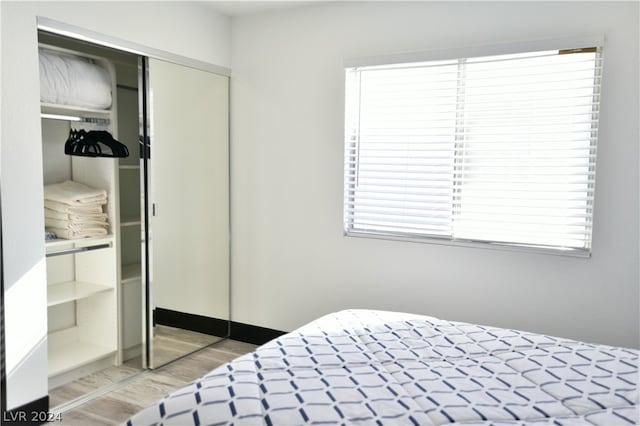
{"x": 94, "y": 143}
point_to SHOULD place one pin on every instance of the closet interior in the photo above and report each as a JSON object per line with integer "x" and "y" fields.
{"x": 95, "y": 308}
{"x": 137, "y": 246}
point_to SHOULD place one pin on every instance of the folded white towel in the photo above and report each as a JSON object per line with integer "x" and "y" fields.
{"x": 93, "y": 217}
{"x": 69, "y": 234}
{"x": 65, "y": 208}
{"x": 74, "y": 193}
{"x": 67, "y": 224}
{"x": 52, "y": 214}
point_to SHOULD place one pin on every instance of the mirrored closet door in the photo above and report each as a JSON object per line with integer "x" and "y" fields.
{"x": 187, "y": 170}
{"x": 154, "y": 285}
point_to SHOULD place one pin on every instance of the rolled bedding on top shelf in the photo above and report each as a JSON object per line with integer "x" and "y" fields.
{"x": 67, "y": 79}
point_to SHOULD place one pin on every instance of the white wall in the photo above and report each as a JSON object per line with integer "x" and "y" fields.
{"x": 187, "y": 29}
{"x": 290, "y": 261}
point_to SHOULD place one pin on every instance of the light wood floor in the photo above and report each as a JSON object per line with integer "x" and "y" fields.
{"x": 169, "y": 343}
{"x": 117, "y": 406}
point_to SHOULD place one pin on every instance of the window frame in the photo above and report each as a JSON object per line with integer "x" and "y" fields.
{"x": 454, "y": 54}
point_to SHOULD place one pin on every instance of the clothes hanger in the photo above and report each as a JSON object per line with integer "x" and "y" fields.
{"x": 94, "y": 143}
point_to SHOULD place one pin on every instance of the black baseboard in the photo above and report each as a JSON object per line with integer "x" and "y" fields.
{"x": 34, "y": 413}
{"x": 253, "y": 334}
{"x": 215, "y": 327}
{"x": 198, "y": 323}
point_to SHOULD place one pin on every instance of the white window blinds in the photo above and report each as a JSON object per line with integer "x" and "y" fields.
{"x": 494, "y": 149}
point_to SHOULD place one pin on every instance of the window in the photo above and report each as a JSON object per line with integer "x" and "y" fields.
{"x": 498, "y": 149}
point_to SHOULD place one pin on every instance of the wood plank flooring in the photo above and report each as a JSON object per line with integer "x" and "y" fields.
{"x": 117, "y": 406}
{"x": 92, "y": 382}
{"x": 169, "y": 344}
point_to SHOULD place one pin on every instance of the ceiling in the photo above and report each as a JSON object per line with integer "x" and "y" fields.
{"x": 242, "y": 7}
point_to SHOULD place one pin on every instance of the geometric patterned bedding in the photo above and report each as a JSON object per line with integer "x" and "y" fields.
{"x": 384, "y": 368}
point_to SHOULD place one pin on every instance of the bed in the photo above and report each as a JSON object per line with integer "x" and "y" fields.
{"x": 386, "y": 368}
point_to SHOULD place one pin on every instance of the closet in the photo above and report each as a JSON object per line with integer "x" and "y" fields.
{"x": 82, "y": 273}
{"x": 155, "y": 287}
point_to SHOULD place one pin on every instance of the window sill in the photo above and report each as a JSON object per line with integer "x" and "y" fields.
{"x": 570, "y": 252}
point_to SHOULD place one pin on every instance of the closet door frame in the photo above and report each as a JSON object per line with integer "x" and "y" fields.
{"x": 83, "y": 34}
{"x": 143, "y": 52}
{"x": 145, "y": 138}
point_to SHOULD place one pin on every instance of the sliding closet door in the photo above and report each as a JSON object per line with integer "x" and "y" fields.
{"x": 187, "y": 209}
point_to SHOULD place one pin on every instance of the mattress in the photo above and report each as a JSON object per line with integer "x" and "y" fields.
{"x": 385, "y": 368}
{"x": 67, "y": 79}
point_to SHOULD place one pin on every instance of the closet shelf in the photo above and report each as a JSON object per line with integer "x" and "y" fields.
{"x": 47, "y": 108}
{"x": 129, "y": 167}
{"x": 78, "y": 242}
{"x": 66, "y": 355}
{"x": 131, "y": 221}
{"x": 72, "y": 290}
{"x": 131, "y": 272}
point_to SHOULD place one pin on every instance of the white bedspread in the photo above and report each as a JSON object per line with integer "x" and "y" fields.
{"x": 383, "y": 368}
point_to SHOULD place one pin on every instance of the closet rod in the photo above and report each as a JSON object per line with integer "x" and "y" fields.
{"x": 93, "y": 120}
{"x": 78, "y": 249}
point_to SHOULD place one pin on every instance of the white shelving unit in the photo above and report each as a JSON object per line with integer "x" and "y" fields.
{"x": 82, "y": 274}
{"x": 130, "y": 230}
{"x": 82, "y": 299}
